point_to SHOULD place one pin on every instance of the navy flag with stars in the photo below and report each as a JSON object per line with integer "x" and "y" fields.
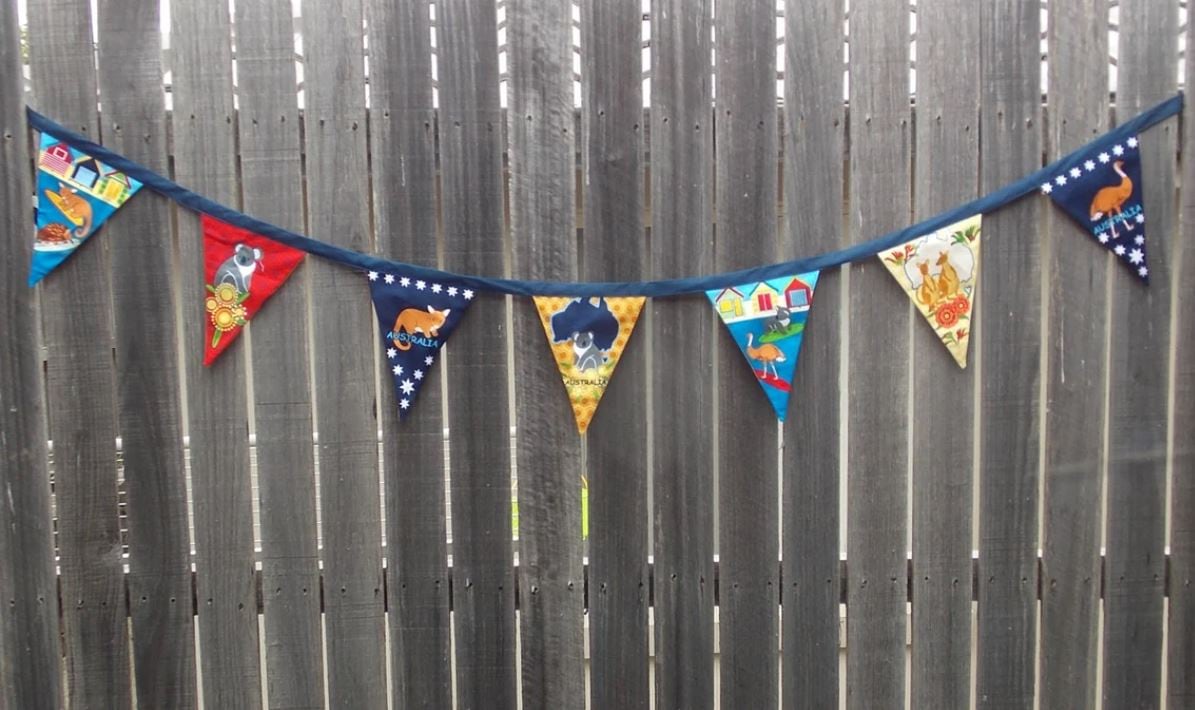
{"x": 1102, "y": 192}
{"x": 416, "y": 317}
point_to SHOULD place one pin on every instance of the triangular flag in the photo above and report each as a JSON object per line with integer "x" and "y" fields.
{"x": 1101, "y": 190}
{"x": 939, "y": 271}
{"x": 767, "y": 321}
{"x": 416, "y": 316}
{"x": 587, "y": 337}
{"x": 242, "y": 270}
{"x": 75, "y": 194}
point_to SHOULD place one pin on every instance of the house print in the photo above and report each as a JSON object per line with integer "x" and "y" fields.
{"x": 764, "y": 298}
{"x": 729, "y": 303}
{"x": 87, "y": 171}
{"x": 57, "y": 159}
{"x": 114, "y": 187}
{"x": 798, "y": 295}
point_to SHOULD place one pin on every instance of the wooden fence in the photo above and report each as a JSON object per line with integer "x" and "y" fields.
{"x": 1020, "y": 534}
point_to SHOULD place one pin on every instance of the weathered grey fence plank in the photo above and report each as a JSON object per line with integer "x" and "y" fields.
{"x": 746, "y": 126}
{"x": 1138, "y": 394}
{"x": 147, "y": 377}
{"x": 80, "y": 395}
{"x": 402, "y": 148}
{"x": 204, "y": 151}
{"x": 682, "y": 339}
{"x": 29, "y": 656}
{"x": 478, "y": 404}
{"x": 345, "y": 339}
{"x": 1077, "y": 273}
{"x": 946, "y": 174}
{"x": 877, "y": 485}
{"x": 271, "y": 186}
{"x": 613, "y": 247}
{"x": 1009, "y": 359}
{"x": 814, "y": 132}
{"x": 540, "y": 125}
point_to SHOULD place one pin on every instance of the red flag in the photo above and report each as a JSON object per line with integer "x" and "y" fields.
{"x": 243, "y": 269}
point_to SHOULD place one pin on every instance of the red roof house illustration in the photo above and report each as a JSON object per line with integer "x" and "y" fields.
{"x": 798, "y": 295}
{"x": 57, "y": 159}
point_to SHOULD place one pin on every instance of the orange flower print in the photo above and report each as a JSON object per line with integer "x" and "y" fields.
{"x": 961, "y": 303}
{"x": 946, "y": 315}
{"x": 226, "y": 308}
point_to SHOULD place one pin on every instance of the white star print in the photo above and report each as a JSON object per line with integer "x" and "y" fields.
{"x": 391, "y": 353}
{"x": 405, "y": 403}
{"x": 418, "y": 374}
{"x": 452, "y": 290}
{"x": 1119, "y": 250}
{"x": 421, "y": 285}
{"x": 373, "y": 276}
{"x": 389, "y": 278}
{"x": 1138, "y": 239}
{"x": 1143, "y": 272}
{"x": 404, "y": 282}
{"x": 397, "y": 369}
{"x": 1136, "y": 257}
{"x": 1046, "y": 188}
{"x": 1103, "y": 237}
{"x": 428, "y": 360}
{"x": 1075, "y": 172}
{"x": 436, "y": 288}
{"x": 407, "y": 387}
{"x": 1060, "y": 180}
{"x": 1118, "y": 149}
{"x": 1132, "y": 141}
{"x": 1140, "y": 219}
{"x": 468, "y": 295}
{"x": 1090, "y": 165}
{"x": 1104, "y": 157}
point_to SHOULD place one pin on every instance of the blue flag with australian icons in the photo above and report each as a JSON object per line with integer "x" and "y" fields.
{"x": 1102, "y": 191}
{"x": 75, "y": 194}
{"x": 416, "y": 316}
{"x": 767, "y": 321}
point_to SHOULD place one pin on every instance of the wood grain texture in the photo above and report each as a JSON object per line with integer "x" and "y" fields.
{"x": 1138, "y": 394}
{"x": 147, "y": 377}
{"x": 204, "y": 152}
{"x": 80, "y": 396}
{"x": 682, "y": 135}
{"x": 345, "y": 337}
{"x": 29, "y": 624}
{"x": 1009, "y": 341}
{"x": 478, "y": 404}
{"x": 1075, "y": 371}
{"x": 814, "y": 138}
{"x": 613, "y": 247}
{"x": 402, "y": 146}
{"x": 946, "y": 174}
{"x": 540, "y": 126}
{"x": 271, "y": 188}
{"x": 745, "y": 177}
{"x": 877, "y": 483}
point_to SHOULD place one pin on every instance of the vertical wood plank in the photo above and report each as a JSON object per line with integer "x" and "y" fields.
{"x": 613, "y": 248}
{"x": 745, "y": 139}
{"x": 345, "y": 343}
{"x": 147, "y": 376}
{"x": 1139, "y": 388}
{"x": 204, "y": 151}
{"x": 877, "y": 484}
{"x": 814, "y": 133}
{"x": 80, "y": 395}
{"x": 402, "y": 150}
{"x": 478, "y": 404}
{"x": 682, "y": 336}
{"x": 947, "y": 171}
{"x": 1009, "y": 316}
{"x": 540, "y": 125}
{"x": 29, "y": 653}
{"x": 1070, "y": 603}
{"x": 271, "y": 188}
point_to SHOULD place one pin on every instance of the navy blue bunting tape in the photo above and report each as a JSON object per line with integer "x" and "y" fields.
{"x": 667, "y": 287}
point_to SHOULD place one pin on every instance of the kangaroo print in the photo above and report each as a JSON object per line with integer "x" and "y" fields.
{"x": 1102, "y": 192}
{"x": 939, "y": 271}
{"x": 767, "y": 321}
{"x": 75, "y": 194}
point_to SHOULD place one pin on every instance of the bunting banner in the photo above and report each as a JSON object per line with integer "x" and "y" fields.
{"x": 587, "y": 337}
{"x": 243, "y": 270}
{"x": 416, "y": 317}
{"x": 939, "y": 271}
{"x": 75, "y": 195}
{"x": 1102, "y": 193}
{"x": 767, "y": 321}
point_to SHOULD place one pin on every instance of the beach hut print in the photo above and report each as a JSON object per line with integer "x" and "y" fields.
{"x": 798, "y": 295}
{"x": 87, "y": 171}
{"x": 56, "y": 159}
{"x": 764, "y": 298}
{"x": 729, "y": 302}
{"x": 114, "y": 187}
